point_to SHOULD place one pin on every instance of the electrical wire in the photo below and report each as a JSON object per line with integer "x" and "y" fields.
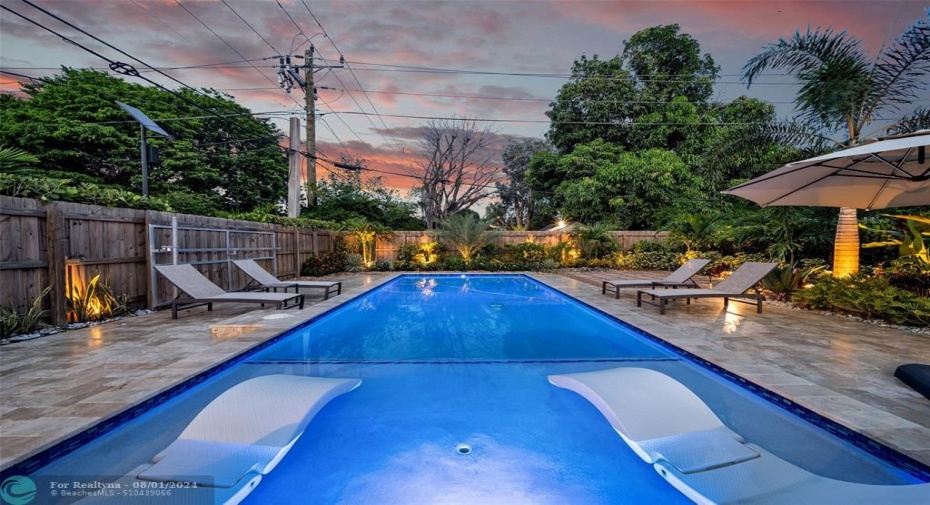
{"x": 272, "y": 81}
{"x": 250, "y": 27}
{"x": 590, "y": 123}
{"x": 114, "y": 65}
{"x": 354, "y": 76}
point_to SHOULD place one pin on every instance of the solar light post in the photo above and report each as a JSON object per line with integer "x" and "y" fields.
{"x": 145, "y": 124}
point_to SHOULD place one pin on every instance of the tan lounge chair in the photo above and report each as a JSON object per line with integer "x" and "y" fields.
{"x": 678, "y": 278}
{"x": 203, "y": 292}
{"x": 735, "y": 286}
{"x": 267, "y": 281}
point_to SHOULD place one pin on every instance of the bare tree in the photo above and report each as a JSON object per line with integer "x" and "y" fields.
{"x": 457, "y": 168}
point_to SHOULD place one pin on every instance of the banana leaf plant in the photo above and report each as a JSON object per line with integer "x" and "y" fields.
{"x": 913, "y": 243}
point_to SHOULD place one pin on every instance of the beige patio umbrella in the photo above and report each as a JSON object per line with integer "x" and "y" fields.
{"x": 891, "y": 172}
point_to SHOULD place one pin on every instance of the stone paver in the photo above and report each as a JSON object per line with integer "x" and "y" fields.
{"x": 55, "y": 386}
{"x": 59, "y": 385}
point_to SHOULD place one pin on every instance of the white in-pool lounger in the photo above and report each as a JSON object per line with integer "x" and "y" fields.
{"x": 238, "y": 437}
{"x": 670, "y": 427}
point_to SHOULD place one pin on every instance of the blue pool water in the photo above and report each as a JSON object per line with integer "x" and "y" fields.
{"x": 450, "y": 360}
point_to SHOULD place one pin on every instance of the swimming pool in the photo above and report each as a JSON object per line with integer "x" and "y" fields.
{"x": 451, "y": 360}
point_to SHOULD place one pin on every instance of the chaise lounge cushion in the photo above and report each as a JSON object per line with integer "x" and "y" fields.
{"x": 916, "y": 376}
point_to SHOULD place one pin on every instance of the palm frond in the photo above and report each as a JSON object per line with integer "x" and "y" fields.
{"x": 13, "y": 160}
{"x": 832, "y": 68}
{"x": 902, "y": 68}
{"x": 806, "y": 53}
{"x": 919, "y": 119}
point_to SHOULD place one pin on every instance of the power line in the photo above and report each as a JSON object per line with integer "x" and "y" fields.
{"x": 20, "y": 75}
{"x": 119, "y": 67}
{"x": 362, "y": 88}
{"x": 250, "y": 27}
{"x": 591, "y": 123}
{"x": 156, "y": 18}
{"x": 229, "y": 46}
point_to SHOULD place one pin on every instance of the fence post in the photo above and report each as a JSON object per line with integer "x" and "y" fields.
{"x": 57, "y": 239}
{"x": 151, "y": 288}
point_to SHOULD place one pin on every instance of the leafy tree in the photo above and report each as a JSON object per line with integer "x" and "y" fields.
{"x": 843, "y": 89}
{"x": 668, "y": 65}
{"x": 71, "y": 122}
{"x": 593, "y": 104}
{"x": 650, "y": 103}
{"x": 633, "y": 190}
{"x": 735, "y": 150}
{"x": 342, "y": 199}
{"x": 517, "y": 204}
{"x": 637, "y": 99}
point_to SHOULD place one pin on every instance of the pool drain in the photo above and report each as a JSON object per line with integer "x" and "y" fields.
{"x": 463, "y": 449}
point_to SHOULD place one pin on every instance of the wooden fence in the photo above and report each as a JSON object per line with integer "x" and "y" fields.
{"x": 387, "y": 248}
{"x": 64, "y": 245}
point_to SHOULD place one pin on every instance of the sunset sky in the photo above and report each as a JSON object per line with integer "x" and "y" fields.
{"x": 500, "y": 61}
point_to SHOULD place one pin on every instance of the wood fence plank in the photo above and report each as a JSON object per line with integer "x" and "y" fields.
{"x": 57, "y": 237}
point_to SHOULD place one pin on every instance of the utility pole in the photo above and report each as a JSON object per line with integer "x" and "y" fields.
{"x": 310, "y": 97}
{"x": 287, "y": 73}
{"x": 294, "y": 168}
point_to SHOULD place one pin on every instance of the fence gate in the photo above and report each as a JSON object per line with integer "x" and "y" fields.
{"x": 213, "y": 249}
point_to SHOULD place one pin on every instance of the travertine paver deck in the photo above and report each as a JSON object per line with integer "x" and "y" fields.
{"x": 59, "y": 385}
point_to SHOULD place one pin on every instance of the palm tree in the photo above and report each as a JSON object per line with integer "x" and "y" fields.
{"x": 595, "y": 240}
{"x": 844, "y": 91}
{"x": 466, "y": 234}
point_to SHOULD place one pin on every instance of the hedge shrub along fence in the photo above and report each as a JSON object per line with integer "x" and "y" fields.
{"x": 388, "y": 247}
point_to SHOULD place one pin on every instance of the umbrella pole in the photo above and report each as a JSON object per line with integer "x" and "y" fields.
{"x": 846, "y": 245}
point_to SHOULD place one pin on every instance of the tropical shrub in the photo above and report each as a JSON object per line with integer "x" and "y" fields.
{"x": 913, "y": 242}
{"x": 782, "y": 282}
{"x": 648, "y": 260}
{"x": 653, "y": 246}
{"x": 94, "y": 302}
{"x": 14, "y": 323}
{"x": 48, "y": 189}
{"x": 382, "y": 266}
{"x": 406, "y": 252}
{"x": 548, "y": 264}
{"x": 456, "y": 264}
{"x": 466, "y": 234}
{"x": 366, "y": 236}
{"x": 355, "y": 263}
{"x": 525, "y": 251}
{"x": 866, "y": 297}
{"x": 324, "y": 263}
{"x": 695, "y": 231}
{"x": 595, "y": 240}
